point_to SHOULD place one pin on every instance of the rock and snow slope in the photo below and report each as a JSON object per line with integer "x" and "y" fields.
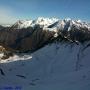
{"x": 63, "y": 64}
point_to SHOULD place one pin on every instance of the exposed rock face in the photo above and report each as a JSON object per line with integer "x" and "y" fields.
{"x": 24, "y": 39}
{"x": 81, "y": 35}
{"x": 1, "y": 27}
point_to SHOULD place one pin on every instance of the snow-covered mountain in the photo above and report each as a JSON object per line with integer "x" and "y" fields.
{"x": 45, "y": 54}
{"x": 51, "y": 23}
{"x": 43, "y": 22}
{"x": 55, "y": 25}
{"x": 46, "y": 22}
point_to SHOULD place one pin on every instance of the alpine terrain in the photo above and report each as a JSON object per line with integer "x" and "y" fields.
{"x": 45, "y": 54}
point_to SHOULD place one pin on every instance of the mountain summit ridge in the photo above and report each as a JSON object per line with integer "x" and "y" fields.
{"x": 45, "y": 22}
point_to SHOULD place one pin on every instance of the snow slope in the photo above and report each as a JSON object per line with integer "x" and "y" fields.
{"x": 59, "y": 66}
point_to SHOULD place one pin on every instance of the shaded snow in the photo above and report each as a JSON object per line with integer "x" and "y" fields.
{"x": 54, "y": 67}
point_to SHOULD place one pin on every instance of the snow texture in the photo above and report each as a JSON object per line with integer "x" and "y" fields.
{"x": 59, "y": 66}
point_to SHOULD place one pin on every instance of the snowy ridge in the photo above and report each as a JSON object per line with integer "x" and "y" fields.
{"x": 68, "y": 23}
{"x": 7, "y": 25}
{"x": 46, "y": 22}
{"x": 53, "y": 24}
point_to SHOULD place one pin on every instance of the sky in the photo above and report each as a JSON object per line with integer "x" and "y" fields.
{"x": 13, "y": 10}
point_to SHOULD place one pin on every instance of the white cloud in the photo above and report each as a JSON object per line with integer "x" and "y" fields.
{"x": 7, "y": 16}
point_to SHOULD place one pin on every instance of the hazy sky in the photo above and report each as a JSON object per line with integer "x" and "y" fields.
{"x": 12, "y": 10}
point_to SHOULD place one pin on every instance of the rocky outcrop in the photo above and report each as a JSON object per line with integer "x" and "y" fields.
{"x": 23, "y": 40}
{"x": 1, "y": 27}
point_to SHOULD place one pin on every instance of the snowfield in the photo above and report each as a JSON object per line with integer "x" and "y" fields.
{"x": 58, "y": 66}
